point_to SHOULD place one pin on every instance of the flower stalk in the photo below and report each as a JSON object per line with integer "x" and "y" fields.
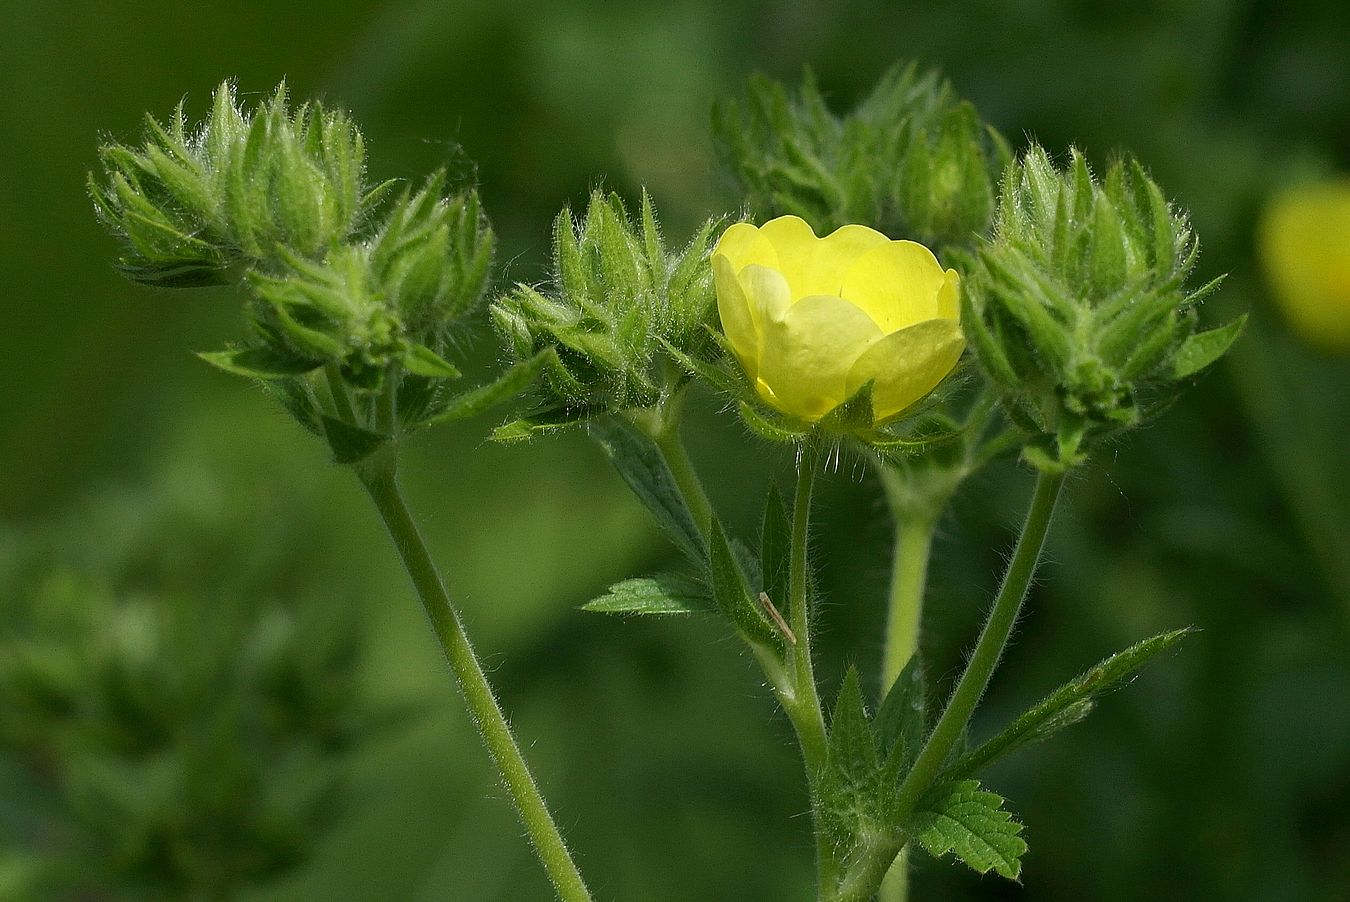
{"x": 380, "y": 480}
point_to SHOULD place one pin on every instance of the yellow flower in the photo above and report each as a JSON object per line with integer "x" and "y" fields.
{"x": 812, "y": 320}
{"x": 1304, "y": 243}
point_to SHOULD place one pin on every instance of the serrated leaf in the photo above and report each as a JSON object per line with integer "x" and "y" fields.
{"x": 733, "y": 595}
{"x": 505, "y": 387}
{"x": 665, "y": 593}
{"x": 852, "y": 746}
{"x": 1065, "y": 706}
{"x": 544, "y": 421}
{"x": 970, "y": 822}
{"x": 423, "y": 361}
{"x": 640, "y": 463}
{"x": 350, "y": 443}
{"x": 1203, "y": 348}
{"x": 901, "y": 720}
{"x": 259, "y": 363}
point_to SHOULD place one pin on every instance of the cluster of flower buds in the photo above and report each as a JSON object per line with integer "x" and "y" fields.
{"x": 241, "y": 188}
{"x": 619, "y": 303}
{"x": 1078, "y": 308}
{"x": 911, "y": 159}
{"x": 344, "y": 277}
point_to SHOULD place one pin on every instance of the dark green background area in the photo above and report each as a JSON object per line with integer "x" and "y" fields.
{"x": 1223, "y": 773}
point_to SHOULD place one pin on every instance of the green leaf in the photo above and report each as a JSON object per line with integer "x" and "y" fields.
{"x": 546, "y": 420}
{"x": 775, "y": 548}
{"x": 767, "y": 428}
{"x": 901, "y": 721}
{"x": 642, "y": 466}
{"x": 259, "y": 363}
{"x": 733, "y": 596}
{"x": 350, "y": 443}
{"x": 971, "y": 822}
{"x": 505, "y": 387}
{"x": 852, "y": 757}
{"x": 423, "y": 361}
{"x": 1065, "y": 706}
{"x": 1203, "y": 348}
{"x": 665, "y": 593}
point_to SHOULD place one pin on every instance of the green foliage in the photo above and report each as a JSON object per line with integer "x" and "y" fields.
{"x": 665, "y": 593}
{"x": 618, "y": 297}
{"x": 1079, "y": 307}
{"x": 184, "y": 701}
{"x": 1064, "y": 707}
{"x": 911, "y": 159}
{"x": 901, "y": 721}
{"x": 644, "y": 469}
{"x": 340, "y": 275}
{"x": 971, "y": 823}
{"x": 242, "y": 187}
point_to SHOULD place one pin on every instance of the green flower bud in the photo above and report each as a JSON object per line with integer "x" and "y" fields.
{"x": 1079, "y": 307}
{"x": 374, "y": 306}
{"x": 618, "y": 301}
{"x": 241, "y": 187}
{"x": 911, "y": 159}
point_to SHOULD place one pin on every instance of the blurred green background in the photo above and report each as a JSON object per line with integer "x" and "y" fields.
{"x": 1223, "y": 773}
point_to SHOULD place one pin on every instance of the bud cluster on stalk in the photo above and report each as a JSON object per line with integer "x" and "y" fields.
{"x": 1079, "y": 309}
{"x": 911, "y": 159}
{"x": 619, "y": 302}
{"x": 365, "y": 283}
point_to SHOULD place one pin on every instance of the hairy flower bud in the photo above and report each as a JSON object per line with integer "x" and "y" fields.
{"x": 618, "y": 301}
{"x": 1079, "y": 307}
{"x": 910, "y": 159}
{"x": 241, "y": 188}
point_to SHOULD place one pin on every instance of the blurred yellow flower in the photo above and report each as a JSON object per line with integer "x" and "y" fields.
{"x": 1304, "y": 242}
{"x": 812, "y": 320}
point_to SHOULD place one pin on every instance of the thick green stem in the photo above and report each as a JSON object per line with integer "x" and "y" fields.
{"x": 993, "y": 638}
{"x": 382, "y": 484}
{"x": 909, "y": 576}
{"x": 686, "y": 477}
{"x": 862, "y": 883}
{"x": 811, "y": 728}
{"x": 341, "y": 400}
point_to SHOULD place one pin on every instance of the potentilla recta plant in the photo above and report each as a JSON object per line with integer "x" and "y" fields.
{"x": 896, "y": 284}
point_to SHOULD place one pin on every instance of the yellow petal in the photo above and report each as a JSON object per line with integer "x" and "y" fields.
{"x": 743, "y": 244}
{"x": 734, "y": 309}
{"x": 905, "y": 366}
{"x": 898, "y": 284}
{"x": 817, "y": 265}
{"x": 949, "y": 296}
{"x": 806, "y": 353}
{"x": 1304, "y": 243}
{"x": 768, "y": 293}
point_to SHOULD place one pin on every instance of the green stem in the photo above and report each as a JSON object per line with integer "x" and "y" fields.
{"x": 810, "y": 720}
{"x": 686, "y": 477}
{"x": 993, "y": 638}
{"x": 909, "y": 576}
{"x": 862, "y": 883}
{"x": 341, "y": 400}
{"x": 382, "y": 484}
{"x": 802, "y": 702}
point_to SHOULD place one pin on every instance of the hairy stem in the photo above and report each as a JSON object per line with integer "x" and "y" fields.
{"x": 381, "y": 482}
{"x": 909, "y": 576}
{"x": 862, "y": 883}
